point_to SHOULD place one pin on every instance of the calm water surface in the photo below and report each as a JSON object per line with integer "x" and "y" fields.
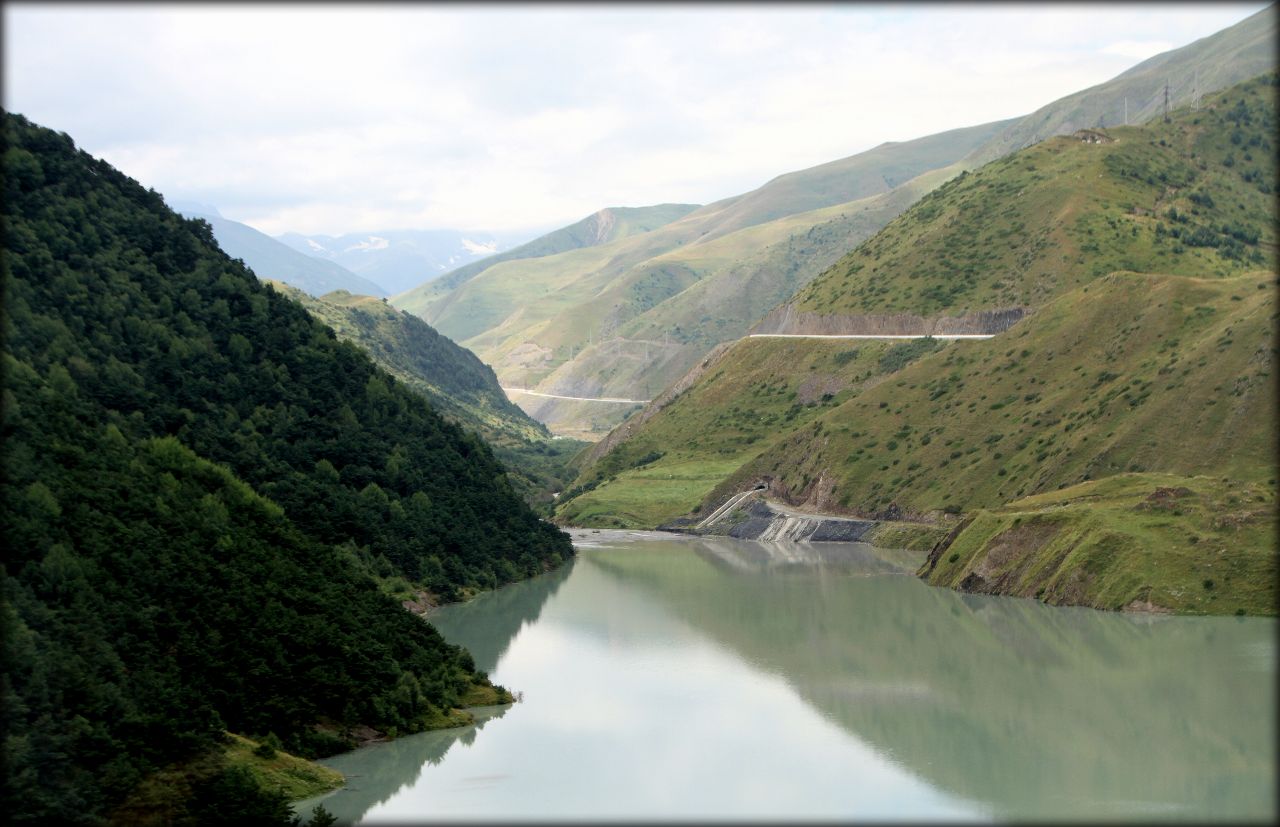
{"x": 683, "y": 678}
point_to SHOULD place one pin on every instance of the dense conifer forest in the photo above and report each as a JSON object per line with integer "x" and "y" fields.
{"x": 199, "y": 484}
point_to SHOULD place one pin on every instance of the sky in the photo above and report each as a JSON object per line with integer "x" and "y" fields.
{"x": 518, "y": 118}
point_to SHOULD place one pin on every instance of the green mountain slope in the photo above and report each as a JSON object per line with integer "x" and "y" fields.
{"x": 1131, "y": 373}
{"x": 201, "y": 487}
{"x": 1212, "y": 63}
{"x": 1165, "y": 370}
{"x": 460, "y": 387}
{"x": 860, "y": 176}
{"x": 1191, "y": 197}
{"x": 609, "y": 224}
{"x": 561, "y": 322}
{"x": 452, "y": 377}
{"x": 271, "y": 259}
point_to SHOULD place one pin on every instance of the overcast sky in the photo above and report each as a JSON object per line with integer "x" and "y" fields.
{"x": 331, "y": 118}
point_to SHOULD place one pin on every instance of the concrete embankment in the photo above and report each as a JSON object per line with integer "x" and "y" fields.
{"x": 786, "y": 319}
{"x": 750, "y": 518}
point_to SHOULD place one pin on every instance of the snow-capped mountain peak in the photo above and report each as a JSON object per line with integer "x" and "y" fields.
{"x": 370, "y": 244}
{"x": 480, "y": 248}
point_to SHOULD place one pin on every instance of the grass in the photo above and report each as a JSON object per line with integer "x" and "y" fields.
{"x": 911, "y": 536}
{"x": 671, "y": 308}
{"x": 1133, "y": 373}
{"x": 161, "y": 797}
{"x": 610, "y": 224}
{"x": 1189, "y": 545}
{"x": 645, "y": 497}
{"x": 297, "y": 777}
{"x": 744, "y": 403}
{"x": 1190, "y": 197}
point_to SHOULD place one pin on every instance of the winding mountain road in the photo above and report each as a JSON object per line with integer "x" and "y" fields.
{"x": 867, "y": 336}
{"x": 620, "y": 401}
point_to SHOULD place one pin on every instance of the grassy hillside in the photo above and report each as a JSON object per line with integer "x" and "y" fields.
{"x": 271, "y": 259}
{"x": 657, "y": 347}
{"x": 1184, "y": 398}
{"x": 757, "y": 393}
{"x": 970, "y": 425}
{"x": 1131, "y": 373}
{"x": 1193, "y": 197}
{"x": 609, "y": 224}
{"x": 460, "y": 387}
{"x": 1114, "y": 372}
{"x": 860, "y": 176}
{"x": 1216, "y": 62}
{"x": 1191, "y": 545}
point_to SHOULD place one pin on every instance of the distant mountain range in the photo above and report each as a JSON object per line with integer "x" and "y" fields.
{"x": 402, "y": 259}
{"x": 270, "y": 259}
{"x": 601, "y": 227}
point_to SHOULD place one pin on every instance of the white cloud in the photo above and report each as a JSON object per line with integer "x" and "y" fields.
{"x": 336, "y": 119}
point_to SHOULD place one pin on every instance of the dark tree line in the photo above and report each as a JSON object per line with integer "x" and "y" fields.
{"x": 197, "y": 480}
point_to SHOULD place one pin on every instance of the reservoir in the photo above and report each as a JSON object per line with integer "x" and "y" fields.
{"x": 670, "y": 677}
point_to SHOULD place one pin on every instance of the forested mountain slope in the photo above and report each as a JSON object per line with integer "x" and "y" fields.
{"x": 452, "y": 377}
{"x": 200, "y": 486}
{"x": 460, "y": 387}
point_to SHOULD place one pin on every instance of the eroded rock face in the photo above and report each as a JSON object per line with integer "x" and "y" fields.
{"x": 1146, "y": 607}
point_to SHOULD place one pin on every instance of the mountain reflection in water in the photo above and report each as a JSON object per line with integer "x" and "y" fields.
{"x": 696, "y": 677}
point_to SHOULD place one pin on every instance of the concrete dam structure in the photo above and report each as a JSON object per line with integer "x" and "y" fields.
{"x": 746, "y": 516}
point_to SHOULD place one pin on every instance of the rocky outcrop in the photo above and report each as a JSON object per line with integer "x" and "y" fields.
{"x": 786, "y": 319}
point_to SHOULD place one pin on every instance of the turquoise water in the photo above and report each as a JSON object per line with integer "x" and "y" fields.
{"x": 693, "y": 678}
